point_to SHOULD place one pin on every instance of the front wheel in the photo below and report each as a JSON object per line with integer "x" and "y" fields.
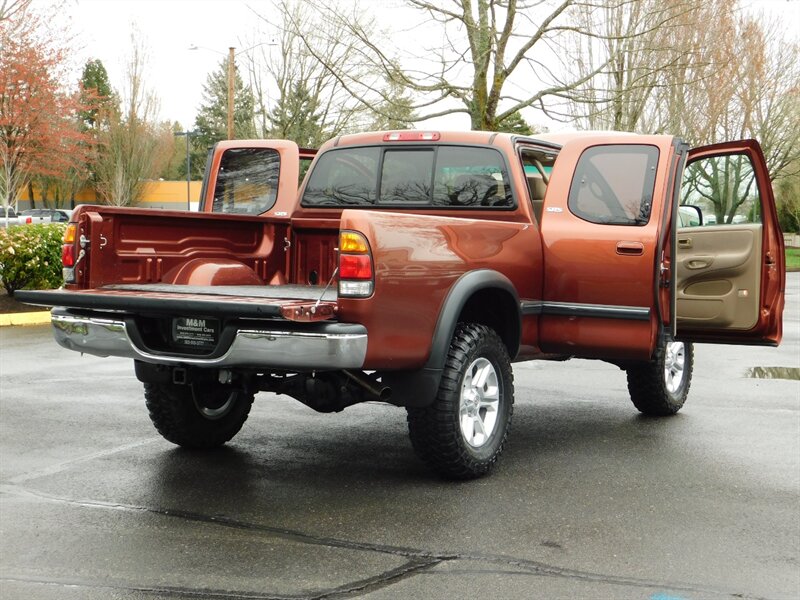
{"x": 462, "y": 433}
{"x": 659, "y": 388}
{"x": 197, "y": 418}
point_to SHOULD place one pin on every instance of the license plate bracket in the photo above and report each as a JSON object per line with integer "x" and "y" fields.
{"x": 195, "y": 332}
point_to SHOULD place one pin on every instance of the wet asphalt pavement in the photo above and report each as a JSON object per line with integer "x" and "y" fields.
{"x": 590, "y": 500}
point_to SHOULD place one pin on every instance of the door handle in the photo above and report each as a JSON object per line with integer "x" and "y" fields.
{"x": 685, "y": 243}
{"x": 630, "y": 248}
{"x": 699, "y": 263}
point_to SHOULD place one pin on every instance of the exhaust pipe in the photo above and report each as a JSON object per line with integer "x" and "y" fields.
{"x": 327, "y": 392}
{"x": 375, "y": 389}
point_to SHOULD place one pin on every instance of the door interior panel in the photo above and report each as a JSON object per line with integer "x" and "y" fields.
{"x": 719, "y": 276}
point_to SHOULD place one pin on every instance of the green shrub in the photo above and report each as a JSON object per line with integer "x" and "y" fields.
{"x": 30, "y": 256}
{"x": 789, "y": 216}
{"x": 787, "y": 198}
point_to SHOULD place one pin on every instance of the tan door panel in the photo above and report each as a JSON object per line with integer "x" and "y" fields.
{"x": 726, "y": 279}
{"x": 719, "y": 276}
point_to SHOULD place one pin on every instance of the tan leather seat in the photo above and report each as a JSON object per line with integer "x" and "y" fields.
{"x": 537, "y": 188}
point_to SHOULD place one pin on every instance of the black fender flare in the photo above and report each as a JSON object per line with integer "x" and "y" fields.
{"x": 461, "y": 291}
{"x": 418, "y": 388}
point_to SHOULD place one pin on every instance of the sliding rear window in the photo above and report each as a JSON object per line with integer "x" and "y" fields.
{"x": 419, "y": 176}
{"x": 247, "y": 181}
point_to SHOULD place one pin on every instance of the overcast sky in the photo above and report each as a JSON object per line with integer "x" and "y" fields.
{"x": 169, "y": 27}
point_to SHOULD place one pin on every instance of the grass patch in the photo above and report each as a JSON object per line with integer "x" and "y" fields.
{"x": 793, "y": 258}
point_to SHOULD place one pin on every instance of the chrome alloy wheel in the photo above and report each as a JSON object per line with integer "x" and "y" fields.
{"x": 674, "y": 363}
{"x": 479, "y": 403}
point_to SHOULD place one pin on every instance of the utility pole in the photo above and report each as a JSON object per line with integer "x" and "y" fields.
{"x": 231, "y": 74}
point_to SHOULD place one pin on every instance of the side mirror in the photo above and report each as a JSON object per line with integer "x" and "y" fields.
{"x": 690, "y": 215}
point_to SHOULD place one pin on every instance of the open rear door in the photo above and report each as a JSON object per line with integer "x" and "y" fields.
{"x": 729, "y": 269}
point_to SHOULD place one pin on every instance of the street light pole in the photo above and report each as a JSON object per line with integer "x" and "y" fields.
{"x": 188, "y": 135}
{"x": 231, "y": 73}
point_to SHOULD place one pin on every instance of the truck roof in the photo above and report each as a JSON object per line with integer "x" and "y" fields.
{"x": 475, "y": 137}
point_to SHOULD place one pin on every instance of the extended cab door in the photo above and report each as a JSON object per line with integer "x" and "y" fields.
{"x": 729, "y": 269}
{"x": 601, "y": 228}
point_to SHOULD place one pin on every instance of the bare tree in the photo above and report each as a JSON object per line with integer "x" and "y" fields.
{"x": 640, "y": 44}
{"x": 487, "y": 59}
{"x": 132, "y": 145}
{"x": 691, "y": 67}
{"x": 746, "y": 87}
{"x": 766, "y": 102}
{"x": 299, "y": 94}
{"x": 12, "y": 9}
{"x": 700, "y": 69}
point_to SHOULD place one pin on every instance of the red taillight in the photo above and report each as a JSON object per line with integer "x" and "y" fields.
{"x": 28, "y": 220}
{"x": 68, "y": 249}
{"x": 68, "y": 255}
{"x": 355, "y": 266}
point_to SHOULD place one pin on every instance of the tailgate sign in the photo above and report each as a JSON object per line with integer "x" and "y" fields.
{"x": 199, "y": 333}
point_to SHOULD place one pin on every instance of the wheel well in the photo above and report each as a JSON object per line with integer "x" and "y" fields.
{"x": 497, "y": 309}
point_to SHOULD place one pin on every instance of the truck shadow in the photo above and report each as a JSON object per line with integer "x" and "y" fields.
{"x": 370, "y": 450}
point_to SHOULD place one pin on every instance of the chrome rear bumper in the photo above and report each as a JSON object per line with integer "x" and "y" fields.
{"x": 331, "y": 346}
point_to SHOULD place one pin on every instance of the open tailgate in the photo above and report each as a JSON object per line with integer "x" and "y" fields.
{"x": 292, "y": 302}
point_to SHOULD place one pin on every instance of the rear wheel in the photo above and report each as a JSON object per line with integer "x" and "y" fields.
{"x": 659, "y": 388}
{"x": 205, "y": 418}
{"x": 462, "y": 433}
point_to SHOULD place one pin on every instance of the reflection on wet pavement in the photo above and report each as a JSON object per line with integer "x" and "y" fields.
{"x": 773, "y": 372}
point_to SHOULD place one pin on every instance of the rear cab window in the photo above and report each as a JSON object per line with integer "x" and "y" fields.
{"x": 418, "y": 176}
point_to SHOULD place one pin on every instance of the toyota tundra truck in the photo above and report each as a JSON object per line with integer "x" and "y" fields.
{"x": 414, "y": 267}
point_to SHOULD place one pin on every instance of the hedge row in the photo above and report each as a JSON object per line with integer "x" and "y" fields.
{"x": 30, "y": 256}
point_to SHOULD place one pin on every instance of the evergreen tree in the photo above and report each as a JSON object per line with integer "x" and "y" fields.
{"x": 96, "y": 93}
{"x": 395, "y": 112}
{"x": 98, "y": 102}
{"x": 211, "y": 123}
{"x": 296, "y": 117}
{"x": 514, "y": 123}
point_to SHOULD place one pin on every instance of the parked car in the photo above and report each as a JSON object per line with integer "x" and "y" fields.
{"x": 11, "y": 219}
{"x": 45, "y": 215}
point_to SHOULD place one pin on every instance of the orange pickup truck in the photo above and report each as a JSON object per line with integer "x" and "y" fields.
{"x": 414, "y": 267}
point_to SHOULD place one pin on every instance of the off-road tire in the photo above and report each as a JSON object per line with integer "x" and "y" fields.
{"x": 436, "y": 430}
{"x": 653, "y": 391}
{"x": 179, "y": 419}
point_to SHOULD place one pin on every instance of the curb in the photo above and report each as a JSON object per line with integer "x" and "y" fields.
{"x": 26, "y": 318}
